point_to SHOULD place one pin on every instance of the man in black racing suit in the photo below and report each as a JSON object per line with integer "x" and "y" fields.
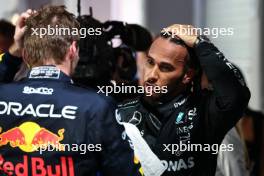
{"x": 183, "y": 117}
{"x": 9, "y": 65}
{"x": 48, "y": 126}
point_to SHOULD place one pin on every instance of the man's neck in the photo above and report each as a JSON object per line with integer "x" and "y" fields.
{"x": 164, "y": 99}
{"x": 64, "y": 67}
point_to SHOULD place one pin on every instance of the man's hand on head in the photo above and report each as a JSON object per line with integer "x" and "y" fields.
{"x": 16, "y": 48}
{"x": 183, "y": 32}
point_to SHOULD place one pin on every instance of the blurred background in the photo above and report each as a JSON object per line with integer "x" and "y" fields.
{"x": 242, "y": 48}
{"x": 245, "y": 17}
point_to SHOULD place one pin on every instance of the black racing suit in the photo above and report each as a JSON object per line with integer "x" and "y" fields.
{"x": 51, "y": 127}
{"x": 9, "y": 65}
{"x": 201, "y": 118}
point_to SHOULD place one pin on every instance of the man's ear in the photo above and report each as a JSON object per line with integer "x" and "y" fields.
{"x": 73, "y": 50}
{"x": 188, "y": 77}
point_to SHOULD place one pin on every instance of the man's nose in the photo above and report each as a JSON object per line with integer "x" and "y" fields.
{"x": 153, "y": 76}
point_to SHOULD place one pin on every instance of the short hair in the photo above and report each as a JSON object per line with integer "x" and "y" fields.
{"x": 38, "y": 49}
{"x": 192, "y": 60}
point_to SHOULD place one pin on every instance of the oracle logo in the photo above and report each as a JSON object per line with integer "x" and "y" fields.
{"x": 41, "y": 110}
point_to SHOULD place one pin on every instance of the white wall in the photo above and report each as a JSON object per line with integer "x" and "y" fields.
{"x": 131, "y": 11}
{"x": 243, "y": 48}
{"x": 10, "y": 7}
{"x": 122, "y": 10}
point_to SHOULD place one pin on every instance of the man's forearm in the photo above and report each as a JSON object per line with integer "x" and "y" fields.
{"x": 228, "y": 83}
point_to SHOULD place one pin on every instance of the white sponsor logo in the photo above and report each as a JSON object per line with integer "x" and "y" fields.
{"x": 173, "y": 166}
{"x": 136, "y": 119}
{"x": 182, "y": 130}
{"x": 192, "y": 113}
{"x": 178, "y": 104}
{"x": 44, "y": 72}
{"x": 41, "y": 110}
{"x": 38, "y": 90}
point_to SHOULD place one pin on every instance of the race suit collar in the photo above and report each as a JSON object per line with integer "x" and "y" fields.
{"x": 175, "y": 105}
{"x": 164, "y": 110}
{"x": 49, "y": 72}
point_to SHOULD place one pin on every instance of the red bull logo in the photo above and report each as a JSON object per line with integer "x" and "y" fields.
{"x": 29, "y": 137}
{"x": 36, "y": 166}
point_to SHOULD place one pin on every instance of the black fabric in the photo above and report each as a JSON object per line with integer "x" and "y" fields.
{"x": 9, "y": 65}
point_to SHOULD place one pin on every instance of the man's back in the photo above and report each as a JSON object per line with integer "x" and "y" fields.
{"x": 44, "y": 111}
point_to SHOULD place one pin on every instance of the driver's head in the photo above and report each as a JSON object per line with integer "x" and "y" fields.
{"x": 49, "y": 38}
{"x": 170, "y": 63}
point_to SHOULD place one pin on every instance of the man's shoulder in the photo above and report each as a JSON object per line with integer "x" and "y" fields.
{"x": 84, "y": 92}
{"x": 12, "y": 87}
{"x": 89, "y": 98}
{"x": 89, "y": 94}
